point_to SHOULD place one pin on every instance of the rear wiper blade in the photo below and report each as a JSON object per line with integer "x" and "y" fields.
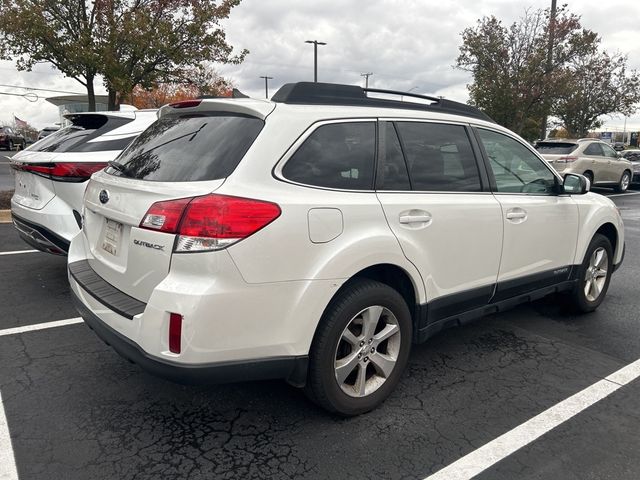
{"x": 118, "y": 166}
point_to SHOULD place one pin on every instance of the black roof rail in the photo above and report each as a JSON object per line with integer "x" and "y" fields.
{"x": 311, "y": 93}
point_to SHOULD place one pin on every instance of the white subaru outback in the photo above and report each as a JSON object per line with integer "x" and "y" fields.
{"x": 316, "y": 236}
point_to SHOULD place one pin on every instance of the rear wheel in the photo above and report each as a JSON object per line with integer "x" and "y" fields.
{"x": 625, "y": 180}
{"x": 10, "y": 146}
{"x": 360, "y": 349}
{"x": 594, "y": 275}
{"x": 589, "y": 175}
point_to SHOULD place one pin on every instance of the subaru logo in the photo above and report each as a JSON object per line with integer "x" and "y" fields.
{"x": 104, "y": 196}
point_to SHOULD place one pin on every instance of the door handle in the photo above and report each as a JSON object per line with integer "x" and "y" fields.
{"x": 516, "y": 215}
{"x": 424, "y": 218}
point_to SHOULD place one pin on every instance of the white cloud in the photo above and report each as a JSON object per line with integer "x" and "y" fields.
{"x": 405, "y": 43}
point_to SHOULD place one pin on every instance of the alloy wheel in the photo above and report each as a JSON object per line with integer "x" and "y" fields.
{"x": 367, "y": 351}
{"x": 596, "y": 274}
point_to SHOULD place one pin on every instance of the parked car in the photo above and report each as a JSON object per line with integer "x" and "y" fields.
{"x": 633, "y": 156}
{"x": 618, "y": 146}
{"x": 46, "y": 131}
{"x": 317, "y": 236}
{"x": 51, "y": 175}
{"x": 9, "y": 139}
{"x": 594, "y": 159}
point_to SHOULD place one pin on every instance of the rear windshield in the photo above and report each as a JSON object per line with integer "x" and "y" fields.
{"x": 80, "y": 135}
{"x": 555, "y": 148}
{"x": 189, "y": 148}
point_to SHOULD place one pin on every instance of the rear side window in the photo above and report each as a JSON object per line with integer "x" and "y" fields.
{"x": 555, "y": 148}
{"x": 594, "y": 150}
{"x": 189, "y": 148}
{"x": 338, "y": 155}
{"x": 439, "y": 157}
{"x": 84, "y": 128}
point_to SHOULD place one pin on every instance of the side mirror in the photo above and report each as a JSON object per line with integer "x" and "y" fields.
{"x": 576, "y": 184}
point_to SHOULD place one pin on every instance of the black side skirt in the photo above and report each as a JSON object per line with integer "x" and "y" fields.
{"x": 459, "y": 309}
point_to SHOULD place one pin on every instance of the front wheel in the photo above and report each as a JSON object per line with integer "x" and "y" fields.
{"x": 594, "y": 275}
{"x": 360, "y": 349}
{"x": 625, "y": 180}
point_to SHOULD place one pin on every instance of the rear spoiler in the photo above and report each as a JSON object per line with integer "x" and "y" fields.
{"x": 240, "y": 104}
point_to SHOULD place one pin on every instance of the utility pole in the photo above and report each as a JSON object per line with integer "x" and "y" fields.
{"x": 552, "y": 29}
{"x": 266, "y": 86}
{"x": 315, "y": 57}
{"x": 366, "y": 78}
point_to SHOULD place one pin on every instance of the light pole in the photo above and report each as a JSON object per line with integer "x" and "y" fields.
{"x": 366, "y": 78}
{"x": 552, "y": 29}
{"x": 315, "y": 57}
{"x": 266, "y": 86}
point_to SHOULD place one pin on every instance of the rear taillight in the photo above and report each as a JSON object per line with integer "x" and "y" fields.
{"x": 566, "y": 159}
{"x": 211, "y": 222}
{"x": 62, "y": 171}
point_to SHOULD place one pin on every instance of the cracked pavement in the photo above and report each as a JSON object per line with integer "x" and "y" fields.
{"x": 76, "y": 410}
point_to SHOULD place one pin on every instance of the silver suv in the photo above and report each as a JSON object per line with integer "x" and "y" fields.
{"x": 594, "y": 159}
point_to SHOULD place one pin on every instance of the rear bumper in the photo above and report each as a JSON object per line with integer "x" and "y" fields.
{"x": 293, "y": 369}
{"x": 40, "y": 237}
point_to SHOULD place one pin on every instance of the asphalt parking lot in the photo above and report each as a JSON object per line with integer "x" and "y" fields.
{"x": 76, "y": 410}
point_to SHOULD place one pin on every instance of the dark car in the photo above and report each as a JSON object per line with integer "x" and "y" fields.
{"x": 9, "y": 138}
{"x": 618, "y": 146}
{"x": 46, "y": 131}
{"x": 634, "y": 157}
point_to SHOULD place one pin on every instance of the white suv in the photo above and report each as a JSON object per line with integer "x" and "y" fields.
{"x": 316, "y": 236}
{"x": 51, "y": 174}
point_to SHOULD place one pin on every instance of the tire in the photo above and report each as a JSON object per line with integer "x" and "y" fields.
{"x": 625, "y": 181}
{"x": 581, "y": 300}
{"x": 23, "y": 146}
{"x": 341, "y": 348}
{"x": 10, "y": 147}
{"x": 589, "y": 175}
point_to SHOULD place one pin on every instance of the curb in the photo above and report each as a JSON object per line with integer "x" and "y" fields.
{"x": 5, "y": 216}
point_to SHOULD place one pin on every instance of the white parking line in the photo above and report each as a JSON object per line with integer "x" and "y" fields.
{"x": 40, "y": 326}
{"x": 623, "y": 194}
{"x": 8, "y": 469}
{"x": 16, "y": 252}
{"x": 491, "y": 453}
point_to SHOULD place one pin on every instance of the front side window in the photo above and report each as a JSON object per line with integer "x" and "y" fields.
{"x": 609, "y": 152}
{"x": 439, "y": 157}
{"x": 516, "y": 169}
{"x": 337, "y": 155}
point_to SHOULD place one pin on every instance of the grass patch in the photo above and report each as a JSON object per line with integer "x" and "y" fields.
{"x": 5, "y": 200}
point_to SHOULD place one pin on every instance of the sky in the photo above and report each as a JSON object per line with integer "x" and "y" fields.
{"x": 406, "y": 44}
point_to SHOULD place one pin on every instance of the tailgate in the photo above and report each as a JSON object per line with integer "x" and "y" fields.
{"x": 32, "y": 191}
{"x": 132, "y": 259}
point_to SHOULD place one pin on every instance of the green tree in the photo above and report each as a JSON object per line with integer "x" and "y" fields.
{"x": 128, "y": 42}
{"x": 58, "y": 32}
{"x": 596, "y": 84}
{"x": 511, "y": 77}
{"x": 147, "y": 42}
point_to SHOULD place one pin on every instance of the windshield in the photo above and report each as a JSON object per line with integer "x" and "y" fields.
{"x": 192, "y": 147}
{"x": 555, "y": 148}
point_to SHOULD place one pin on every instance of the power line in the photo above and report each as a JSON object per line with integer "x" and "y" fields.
{"x": 31, "y": 97}
{"x": 40, "y": 89}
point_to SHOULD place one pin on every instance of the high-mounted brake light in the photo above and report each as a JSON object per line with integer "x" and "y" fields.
{"x": 186, "y": 104}
{"x": 61, "y": 171}
{"x": 211, "y": 222}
